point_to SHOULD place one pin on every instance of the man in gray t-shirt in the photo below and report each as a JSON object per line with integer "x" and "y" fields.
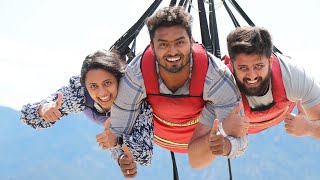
{"x": 271, "y": 85}
{"x": 187, "y": 89}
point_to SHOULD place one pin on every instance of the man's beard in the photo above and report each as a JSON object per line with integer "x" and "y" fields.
{"x": 173, "y": 69}
{"x": 257, "y": 91}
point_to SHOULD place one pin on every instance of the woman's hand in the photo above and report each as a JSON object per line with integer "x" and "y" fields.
{"x": 106, "y": 139}
{"x": 50, "y": 111}
{"x": 127, "y": 164}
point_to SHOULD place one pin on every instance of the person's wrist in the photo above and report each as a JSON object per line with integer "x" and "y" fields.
{"x": 40, "y": 110}
{"x": 120, "y": 157}
{"x": 44, "y": 107}
{"x": 119, "y": 141}
{"x": 115, "y": 140}
{"x": 220, "y": 128}
{"x": 227, "y": 147}
{"x": 311, "y": 128}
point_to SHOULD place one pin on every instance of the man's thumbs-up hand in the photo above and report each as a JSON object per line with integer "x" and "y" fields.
{"x": 235, "y": 124}
{"x": 300, "y": 124}
{"x": 216, "y": 140}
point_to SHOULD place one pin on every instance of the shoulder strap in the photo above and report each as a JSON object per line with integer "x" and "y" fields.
{"x": 278, "y": 91}
{"x": 149, "y": 72}
{"x": 199, "y": 70}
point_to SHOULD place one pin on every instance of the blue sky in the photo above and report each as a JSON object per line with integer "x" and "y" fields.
{"x": 44, "y": 42}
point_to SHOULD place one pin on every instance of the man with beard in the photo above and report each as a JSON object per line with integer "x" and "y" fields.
{"x": 271, "y": 85}
{"x": 188, "y": 89}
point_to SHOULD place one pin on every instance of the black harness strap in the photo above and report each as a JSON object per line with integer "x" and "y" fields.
{"x": 173, "y": 2}
{"x": 229, "y": 167}
{"x": 122, "y": 44}
{"x": 132, "y": 53}
{"x": 174, "y": 167}
{"x": 186, "y": 2}
{"x": 214, "y": 30}
{"x": 233, "y": 18}
{"x": 247, "y": 19}
{"x": 241, "y": 12}
{"x": 182, "y": 3}
{"x": 189, "y": 7}
{"x": 206, "y": 40}
{"x": 275, "y": 49}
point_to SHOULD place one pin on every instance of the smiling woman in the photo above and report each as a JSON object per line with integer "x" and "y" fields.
{"x": 100, "y": 74}
{"x": 102, "y": 87}
{"x": 93, "y": 92}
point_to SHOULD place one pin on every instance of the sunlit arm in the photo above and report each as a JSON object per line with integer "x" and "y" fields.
{"x": 305, "y": 122}
{"x": 314, "y": 115}
{"x": 203, "y": 147}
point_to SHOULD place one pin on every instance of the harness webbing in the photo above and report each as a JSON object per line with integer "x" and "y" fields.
{"x": 189, "y": 8}
{"x": 173, "y": 2}
{"x": 244, "y": 16}
{"x": 206, "y": 40}
{"x": 214, "y": 30}
{"x": 174, "y": 167}
{"x": 233, "y": 18}
{"x": 122, "y": 44}
{"x": 241, "y": 12}
{"x": 182, "y": 3}
{"x": 229, "y": 168}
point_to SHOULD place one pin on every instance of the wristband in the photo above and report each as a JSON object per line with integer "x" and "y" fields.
{"x": 223, "y": 133}
{"x": 119, "y": 141}
{"x": 120, "y": 157}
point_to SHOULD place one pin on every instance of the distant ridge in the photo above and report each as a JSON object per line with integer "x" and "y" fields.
{"x": 69, "y": 151}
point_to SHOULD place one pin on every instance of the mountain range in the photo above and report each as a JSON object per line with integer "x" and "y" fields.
{"x": 69, "y": 151}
